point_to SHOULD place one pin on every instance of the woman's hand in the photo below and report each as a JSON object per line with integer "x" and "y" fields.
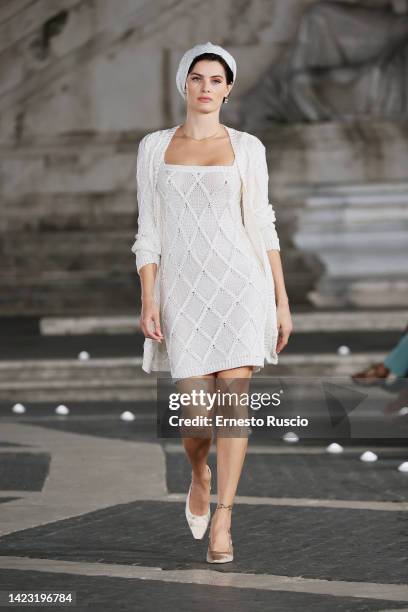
{"x": 150, "y": 320}
{"x": 284, "y": 323}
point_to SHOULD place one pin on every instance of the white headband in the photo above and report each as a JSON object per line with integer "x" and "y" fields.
{"x": 189, "y": 55}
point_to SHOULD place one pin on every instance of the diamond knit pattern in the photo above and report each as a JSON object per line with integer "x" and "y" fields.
{"x": 212, "y": 286}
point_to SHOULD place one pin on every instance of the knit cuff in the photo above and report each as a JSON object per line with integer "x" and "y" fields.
{"x": 271, "y": 239}
{"x": 146, "y": 257}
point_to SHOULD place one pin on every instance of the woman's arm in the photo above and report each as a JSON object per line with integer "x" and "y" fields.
{"x": 263, "y": 210}
{"x": 150, "y": 314}
{"x": 281, "y": 295}
{"x": 265, "y": 218}
{"x": 147, "y": 246}
{"x": 283, "y": 316}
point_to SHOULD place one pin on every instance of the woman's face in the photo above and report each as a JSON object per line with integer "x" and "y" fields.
{"x": 207, "y": 79}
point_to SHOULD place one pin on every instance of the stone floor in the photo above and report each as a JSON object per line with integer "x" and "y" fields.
{"x": 95, "y": 505}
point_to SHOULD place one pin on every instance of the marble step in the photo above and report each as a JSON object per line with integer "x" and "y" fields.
{"x": 386, "y": 216}
{"x": 57, "y": 249}
{"x": 111, "y": 289}
{"x": 64, "y": 263}
{"x": 303, "y": 322}
{"x": 361, "y": 241}
{"x": 48, "y": 244}
{"x": 358, "y": 232}
{"x": 351, "y": 206}
{"x": 84, "y": 171}
{"x": 122, "y": 379}
{"x": 64, "y": 256}
{"x": 360, "y": 257}
{"x": 59, "y": 211}
{"x": 83, "y": 271}
{"x": 357, "y": 189}
{"x": 325, "y": 152}
{"x": 376, "y": 291}
{"x": 391, "y": 187}
{"x": 75, "y": 292}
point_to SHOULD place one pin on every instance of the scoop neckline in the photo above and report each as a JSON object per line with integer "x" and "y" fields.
{"x": 171, "y": 133}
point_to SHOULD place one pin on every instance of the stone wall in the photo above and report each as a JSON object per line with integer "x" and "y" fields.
{"x": 82, "y": 81}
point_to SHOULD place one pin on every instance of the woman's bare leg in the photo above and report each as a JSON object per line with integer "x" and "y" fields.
{"x": 231, "y": 453}
{"x": 198, "y": 447}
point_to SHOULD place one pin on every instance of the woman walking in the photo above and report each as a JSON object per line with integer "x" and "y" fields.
{"x": 214, "y": 303}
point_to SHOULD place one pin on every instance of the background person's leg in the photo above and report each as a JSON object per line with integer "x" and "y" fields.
{"x": 397, "y": 359}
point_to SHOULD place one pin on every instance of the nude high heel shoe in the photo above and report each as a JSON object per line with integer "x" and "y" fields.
{"x": 221, "y": 556}
{"x": 198, "y": 523}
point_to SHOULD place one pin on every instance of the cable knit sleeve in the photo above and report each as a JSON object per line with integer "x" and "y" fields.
{"x": 264, "y": 211}
{"x": 146, "y": 247}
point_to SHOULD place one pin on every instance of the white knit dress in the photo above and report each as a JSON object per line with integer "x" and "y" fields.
{"x": 213, "y": 289}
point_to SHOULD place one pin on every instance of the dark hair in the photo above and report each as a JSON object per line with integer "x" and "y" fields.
{"x": 215, "y": 58}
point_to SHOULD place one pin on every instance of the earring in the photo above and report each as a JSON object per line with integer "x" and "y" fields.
{"x": 226, "y": 100}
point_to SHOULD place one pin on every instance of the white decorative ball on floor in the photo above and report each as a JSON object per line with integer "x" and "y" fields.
{"x": 403, "y": 411}
{"x": 83, "y": 355}
{"x": 403, "y": 467}
{"x": 127, "y": 416}
{"x": 18, "y": 408}
{"x": 61, "y": 409}
{"x": 368, "y": 456}
{"x": 343, "y": 350}
{"x": 290, "y": 436}
{"x": 334, "y": 448}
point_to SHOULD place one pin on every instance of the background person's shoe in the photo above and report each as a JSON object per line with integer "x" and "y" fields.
{"x": 198, "y": 523}
{"x": 375, "y": 374}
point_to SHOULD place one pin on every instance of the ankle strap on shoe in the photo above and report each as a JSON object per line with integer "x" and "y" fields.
{"x": 224, "y": 506}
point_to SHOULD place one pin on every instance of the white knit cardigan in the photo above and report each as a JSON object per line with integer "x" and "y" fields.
{"x": 259, "y": 222}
